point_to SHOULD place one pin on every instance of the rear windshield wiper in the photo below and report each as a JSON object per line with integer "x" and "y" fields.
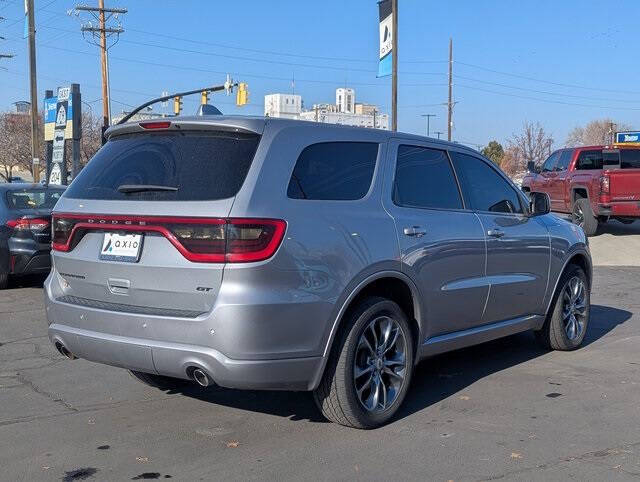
{"x": 132, "y": 188}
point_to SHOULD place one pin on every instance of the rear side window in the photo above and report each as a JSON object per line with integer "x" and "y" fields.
{"x": 338, "y": 171}
{"x": 26, "y": 199}
{"x": 588, "y": 160}
{"x": 203, "y": 166}
{"x": 424, "y": 179}
{"x": 484, "y": 189}
{"x": 630, "y": 158}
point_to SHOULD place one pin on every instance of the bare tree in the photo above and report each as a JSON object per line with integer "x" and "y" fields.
{"x": 511, "y": 162}
{"x": 15, "y": 144}
{"x": 595, "y": 133}
{"x": 532, "y": 144}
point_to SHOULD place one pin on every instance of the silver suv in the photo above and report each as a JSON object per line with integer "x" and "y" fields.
{"x": 261, "y": 253}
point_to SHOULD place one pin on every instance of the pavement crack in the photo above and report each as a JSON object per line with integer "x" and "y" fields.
{"x": 588, "y": 456}
{"x": 60, "y": 401}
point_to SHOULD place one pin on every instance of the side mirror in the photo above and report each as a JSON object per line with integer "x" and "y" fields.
{"x": 531, "y": 167}
{"x": 539, "y": 203}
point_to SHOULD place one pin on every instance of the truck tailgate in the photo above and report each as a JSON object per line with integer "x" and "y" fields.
{"x": 624, "y": 184}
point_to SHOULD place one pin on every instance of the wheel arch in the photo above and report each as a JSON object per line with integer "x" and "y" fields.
{"x": 393, "y": 285}
{"x": 579, "y": 191}
{"x": 575, "y": 258}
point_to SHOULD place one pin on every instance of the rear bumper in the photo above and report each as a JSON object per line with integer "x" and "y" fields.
{"x": 172, "y": 346}
{"x": 620, "y": 208}
{"x": 175, "y": 360}
{"x": 26, "y": 256}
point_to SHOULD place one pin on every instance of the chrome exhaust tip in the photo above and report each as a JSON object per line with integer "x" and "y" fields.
{"x": 65, "y": 352}
{"x": 201, "y": 378}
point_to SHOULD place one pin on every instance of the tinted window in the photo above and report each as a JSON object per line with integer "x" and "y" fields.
{"x": 589, "y": 160}
{"x": 33, "y": 198}
{"x": 630, "y": 158}
{"x": 484, "y": 189}
{"x": 563, "y": 162}
{"x": 336, "y": 171}
{"x": 202, "y": 165}
{"x": 551, "y": 161}
{"x": 424, "y": 179}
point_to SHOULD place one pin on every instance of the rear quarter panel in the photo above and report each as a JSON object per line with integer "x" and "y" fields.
{"x": 328, "y": 249}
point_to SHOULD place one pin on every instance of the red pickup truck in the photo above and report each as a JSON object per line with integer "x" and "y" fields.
{"x": 593, "y": 184}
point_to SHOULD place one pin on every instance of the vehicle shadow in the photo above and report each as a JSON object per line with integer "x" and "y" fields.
{"x": 616, "y": 228}
{"x": 434, "y": 379}
{"x": 26, "y": 281}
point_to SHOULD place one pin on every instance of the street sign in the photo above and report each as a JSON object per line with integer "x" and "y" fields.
{"x": 67, "y": 96}
{"x": 628, "y": 137}
{"x": 55, "y": 176}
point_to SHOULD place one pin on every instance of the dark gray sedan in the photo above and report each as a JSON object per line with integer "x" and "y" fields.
{"x": 25, "y": 228}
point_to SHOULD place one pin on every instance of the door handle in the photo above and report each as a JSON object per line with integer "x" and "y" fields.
{"x": 495, "y": 233}
{"x": 417, "y": 231}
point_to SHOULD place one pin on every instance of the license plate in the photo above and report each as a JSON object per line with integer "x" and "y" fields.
{"x": 121, "y": 247}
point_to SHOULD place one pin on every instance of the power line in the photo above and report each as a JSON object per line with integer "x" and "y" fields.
{"x": 547, "y": 100}
{"x": 559, "y": 84}
{"x": 607, "y": 99}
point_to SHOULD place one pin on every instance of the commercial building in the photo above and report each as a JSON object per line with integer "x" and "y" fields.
{"x": 345, "y": 111}
{"x": 288, "y": 106}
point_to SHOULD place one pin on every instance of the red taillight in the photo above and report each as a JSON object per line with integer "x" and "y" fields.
{"x": 155, "y": 125}
{"x": 23, "y": 224}
{"x": 604, "y": 185}
{"x": 203, "y": 240}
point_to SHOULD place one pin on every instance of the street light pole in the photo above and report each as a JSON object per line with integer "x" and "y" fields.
{"x": 428, "y": 117}
{"x": 439, "y": 133}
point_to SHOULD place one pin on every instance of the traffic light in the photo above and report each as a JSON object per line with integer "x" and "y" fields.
{"x": 242, "y": 96}
{"x": 204, "y": 97}
{"x": 177, "y": 105}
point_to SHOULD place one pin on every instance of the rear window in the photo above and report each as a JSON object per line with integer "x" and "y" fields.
{"x": 338, "y": 171}
{"x": 630, "y": 158}
{"x": 200, "y": 166}
{"x": 33, "y": 198}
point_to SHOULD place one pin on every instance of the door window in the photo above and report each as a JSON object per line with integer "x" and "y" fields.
{"x": 551, "y": 161}
{"x": 424, "y": 179}
{"x": 484, "y": 189}
{"x": 564, "y": 160}
{"x": 588, "y": 160}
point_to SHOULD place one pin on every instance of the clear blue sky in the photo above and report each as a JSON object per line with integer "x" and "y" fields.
{"x": 584, "y": 51}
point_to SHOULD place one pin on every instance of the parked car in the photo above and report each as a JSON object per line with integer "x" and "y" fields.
{"x": 25, "y": 228}
{"x": 261, "y": 253}
{"x": 593, "y": 184}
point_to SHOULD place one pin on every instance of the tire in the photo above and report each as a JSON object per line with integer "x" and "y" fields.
{"x": 337, "y": 395}
{"x": 583, "y": 216}
{"x": 159, "y": 381}
{"x": 555, "y": 333}
{"x": 4, "y": 280}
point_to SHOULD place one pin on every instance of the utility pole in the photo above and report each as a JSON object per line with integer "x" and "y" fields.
{"x": 394, "y": 67}
{"x": 35, "y": 138}
{"x": 450, "y": 101}
{"x": 428, "y": 117}
{"x": 99, "y": 36}
{"x": 439, "y": 133}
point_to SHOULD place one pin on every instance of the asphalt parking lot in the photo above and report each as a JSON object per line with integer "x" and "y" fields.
{"x": 502, "y": 410}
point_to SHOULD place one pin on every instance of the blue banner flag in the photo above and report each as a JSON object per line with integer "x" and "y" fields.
{"x": 386, "y": 38}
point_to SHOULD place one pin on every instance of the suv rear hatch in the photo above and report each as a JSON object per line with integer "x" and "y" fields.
{"x": 144, "y": 227}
